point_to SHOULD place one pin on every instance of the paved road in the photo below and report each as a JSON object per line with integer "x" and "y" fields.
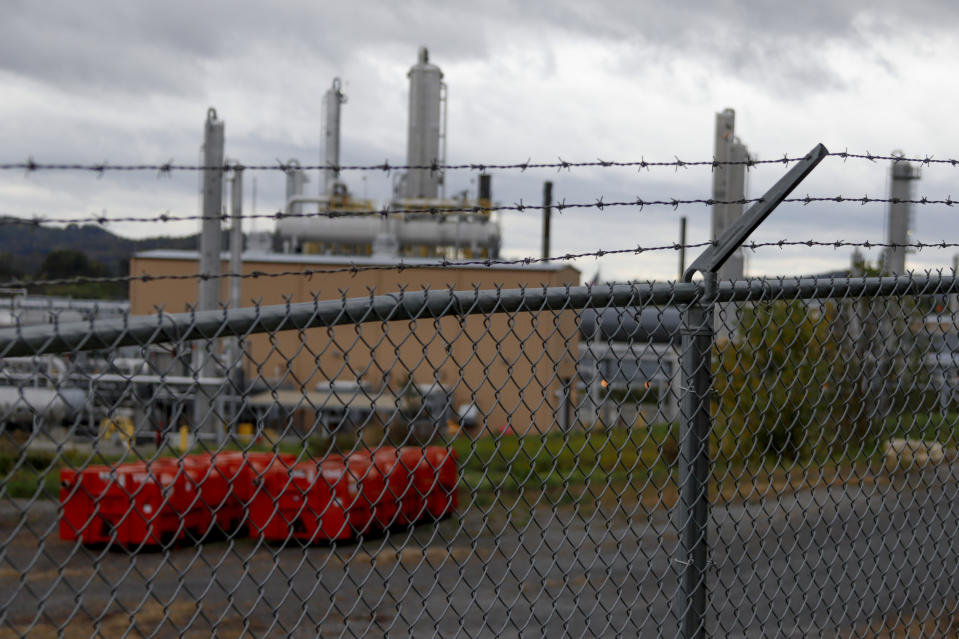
{"x": 821, "y": 562}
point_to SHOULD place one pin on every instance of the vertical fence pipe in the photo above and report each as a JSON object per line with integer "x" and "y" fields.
{"x": 694, "y": 461}
{"x": 547, "y": 213}
{"x": 682, "y": 247}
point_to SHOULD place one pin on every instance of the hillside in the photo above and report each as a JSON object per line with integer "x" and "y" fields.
{"x": 26, "y": 251}
{"x": 28, "y": 245}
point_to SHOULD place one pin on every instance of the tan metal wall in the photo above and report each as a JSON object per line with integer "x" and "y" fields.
{"x": 511, "y": 367}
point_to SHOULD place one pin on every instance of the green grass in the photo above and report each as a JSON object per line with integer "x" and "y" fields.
{"x": 930, "y": 426}
{"x": 490, "y": 465}
{"x": 22, "y": 473}
{"x": 558, "y": 462}
{"x": 564, "y": 466}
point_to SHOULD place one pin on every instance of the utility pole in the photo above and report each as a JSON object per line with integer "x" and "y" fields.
{"x": 547, "y": 213}
{"x": 682, "y": 247}
{"x": 209, "y": 286}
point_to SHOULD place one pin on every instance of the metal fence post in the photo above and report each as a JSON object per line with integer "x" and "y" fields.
{"x": 694, "y": 429}
{"x": 695, "y": 421}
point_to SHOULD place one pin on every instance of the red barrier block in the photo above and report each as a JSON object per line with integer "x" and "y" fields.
{"x": 306, "y": 502}
{"x": 398, "y": 483}
{"x": 344, "y": 516}
{"x": 444, "y": 498}
{"x": 201, "y": 498}
{"x": 223, "y": 510}
{"x": 102, "y": 504}
{"x": 399, "y": 475}
{"x": 270, "y": 485}
{"x": 423, "y": 481}
{"x": 79, "y": 493}
{"x": 233, "y": 479}
{"x": 142, "y": 504}
{"x": 240, "y": 468}
{"x": 372, "y": 493}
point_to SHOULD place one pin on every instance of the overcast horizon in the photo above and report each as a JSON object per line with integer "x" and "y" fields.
{"x": 619, "y": 81}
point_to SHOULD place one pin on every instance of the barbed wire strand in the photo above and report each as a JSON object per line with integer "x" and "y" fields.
{"x": 401, "y": 265}
{"x": 169, "y": 167}
{"x": 165, "y": 168}
{"x": 9, "y": 219}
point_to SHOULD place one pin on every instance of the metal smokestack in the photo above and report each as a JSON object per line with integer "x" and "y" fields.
{"x": 900, "y": 214}
{"x": 425, "y": 128}
{"x": 332, "y": 100}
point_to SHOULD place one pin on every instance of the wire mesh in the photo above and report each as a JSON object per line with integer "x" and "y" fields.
{"x": 495, "y": 461}
{"x": 833, "y": 450}
{"x": 114, "y": 524}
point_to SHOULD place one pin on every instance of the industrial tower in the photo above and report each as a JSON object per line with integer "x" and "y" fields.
{"x": 729, "y": 189}
{"x": 903, "y": 175}
{"x": 423, "y": 222}
{"x": 729, "y": 184}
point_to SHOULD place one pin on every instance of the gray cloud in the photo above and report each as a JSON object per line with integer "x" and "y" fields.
{"x": 127, "y": 47}
{"x": 155, "y": 47}
{"x": 264, "y": 67}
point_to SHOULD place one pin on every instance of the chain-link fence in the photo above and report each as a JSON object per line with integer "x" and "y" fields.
{"x": 485, "y": 448}
{"x": 489, "y": 462}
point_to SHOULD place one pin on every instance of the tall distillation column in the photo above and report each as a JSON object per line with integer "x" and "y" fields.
{"x": 425, "y": 129}
{"x": 729, "y": 188}
{"x": 332, "y": 101}
{"x": 729, "y": 182}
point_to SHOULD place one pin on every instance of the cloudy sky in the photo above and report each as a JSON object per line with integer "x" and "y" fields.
{"x": 130, "y": 82}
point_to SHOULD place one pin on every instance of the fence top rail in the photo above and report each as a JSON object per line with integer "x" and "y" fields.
{"x": 806, "y": 288}
{"x": 404, "y": 305}
{"x": 128, "y": 330}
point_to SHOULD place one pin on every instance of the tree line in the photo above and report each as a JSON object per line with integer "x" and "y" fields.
{"x": 67, "y": 264}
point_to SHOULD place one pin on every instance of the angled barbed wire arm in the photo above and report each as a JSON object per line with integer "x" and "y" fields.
{"x": 695, "y": 419}
{"x": 715, "y": 256}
